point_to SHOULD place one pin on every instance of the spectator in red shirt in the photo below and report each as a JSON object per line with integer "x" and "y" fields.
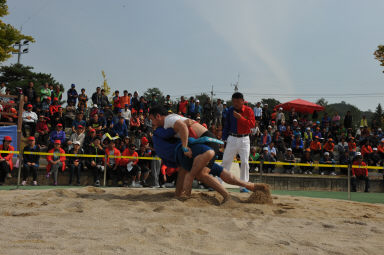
{"x": 116, "y": 100}
{"x": 169, "y": 175}
{"x": 43, "y": 131}
{"x": 55, "y": 162}
{"x": 359, "y": 172}
{"x": 54, "y": 107}
{"x": 131, "y": 165}
{"x": 114, "y": 173}
{"x": 182, "y": 106}
{"x": 366, "y": 150}
{"x": 6, "y": 165}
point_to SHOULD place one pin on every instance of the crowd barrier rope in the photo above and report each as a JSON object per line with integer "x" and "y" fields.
{"x": 261, "y": 163}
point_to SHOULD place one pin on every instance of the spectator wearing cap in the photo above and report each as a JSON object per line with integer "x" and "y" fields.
{"x": 78, "y": 136}
{"x": 78, "y": 121}
{"x": 72, "y": 95}
{"x": 307, "y": 159}
{"x": 135, "y": 102}
{"x": 95, "y": 164}
{"x": 95, "y": 123}
{"x": 30, "y": 161}
{"x": 280, "y": 116}
{"x": 342, "y": 145}
{"x": 292, "y": 115}
{"x": 89, "y": 137}
{"x": 366, "y": 150}
{"x": 54, "y": 107}
{"x": 114, "y": 173}
{"x": 308, "y": 136}
{"x": 315, "y": 146}
{"x": 43, "y": 131}
{"x": 12, "y": 112}
{"x": 94, "y": 110}
{"x": 359, "y": 172}
{"x": 57, "y": 134}
{"x": 297, "y": 146}
{"x": 75, "y": 163}
{"x": 317, "y": 132}
{"x": 289, "y": 158}
{"x": 57, "y": 93}
{"x": 58, "y": 117}
{"x": 120, "y": 128}
{"x": 6, "y": 164}
{"x": 327, "y": 160}
{"x": 96, "y": 97}
{"x": 29, "y": 120}
{"x": 329, "y": 146}
{"x": 375, "y": 159}
{"x": 258, "y": 111}
{"x": 116, "y": 101}
{"x": 29, "y": 92}
{"x": 130, "y": 166}
{"x": 45, "y": 92}
{"x": 55, "y": 161}
{"x": 267, "y": 157}
{"x": 83, "y": 98}
{"x": 182, "y": 106}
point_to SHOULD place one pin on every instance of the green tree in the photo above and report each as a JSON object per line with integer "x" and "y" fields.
{"x": 271, "y": 102}
{"x": 154, "y": 92}
{"x": 322, "y": 102}
{"x": 377, "y": 116}
{"x": 379, "y": 54}
{"x": 18, "y": 75}
{"x": 9, "y": 35}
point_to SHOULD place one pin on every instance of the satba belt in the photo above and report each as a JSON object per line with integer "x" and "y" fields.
{"x": 237, "y": 135}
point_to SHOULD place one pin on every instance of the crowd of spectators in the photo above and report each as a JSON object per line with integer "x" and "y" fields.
{"x": 120, "y": 125}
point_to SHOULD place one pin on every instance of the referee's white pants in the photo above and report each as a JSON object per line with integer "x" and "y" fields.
{"x": 241, "y": 146}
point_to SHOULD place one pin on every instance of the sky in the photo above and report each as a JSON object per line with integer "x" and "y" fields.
{"x": 283, "y": 49}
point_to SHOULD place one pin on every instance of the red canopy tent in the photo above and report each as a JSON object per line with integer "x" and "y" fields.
{"x": 300, "y": 105}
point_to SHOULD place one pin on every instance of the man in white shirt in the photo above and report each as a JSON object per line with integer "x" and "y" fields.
{"x": 78, "y": 136}
{"x": 29, "y": 119}
{"x": 3, "y": 88}
{"x": 258, "y": 111}
{"x": 126, "y": 114}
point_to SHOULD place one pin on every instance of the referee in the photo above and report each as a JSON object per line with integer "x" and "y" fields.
{"x": 239, "y": 120}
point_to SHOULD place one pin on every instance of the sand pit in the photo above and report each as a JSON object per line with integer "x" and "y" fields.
{"x": 144, "y": 221}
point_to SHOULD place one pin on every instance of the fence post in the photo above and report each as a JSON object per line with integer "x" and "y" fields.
{"x": 349, "y": 181}
{"x": 19, "y": 126}
{"x": 261, "y": 170}
{"x": 105, "y": 169}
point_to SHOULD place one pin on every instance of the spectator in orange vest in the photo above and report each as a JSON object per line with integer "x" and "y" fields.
{"x": 359, "y": 172}
{"x": 55, "y": 162}
{"x": 6, "y": 165}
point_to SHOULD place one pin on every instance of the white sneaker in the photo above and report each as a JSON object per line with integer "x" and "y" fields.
{"x": 138, "y": 185}
{"x": 322, "y": 173}
{"x": 23, "y": 183}
{"x": 309, "y": 172}
{"x": 306, "y": 172}
{"x": 34, "y": 183}
{"x": 333, "y": 173}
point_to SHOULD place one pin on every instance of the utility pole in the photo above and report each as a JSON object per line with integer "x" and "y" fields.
{"x": 212, "y": 94}
{"x": 236, "y": 85}
{"x": 18, "y": 46}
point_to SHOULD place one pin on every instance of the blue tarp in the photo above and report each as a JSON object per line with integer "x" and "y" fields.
{"x": 10, "y": 131}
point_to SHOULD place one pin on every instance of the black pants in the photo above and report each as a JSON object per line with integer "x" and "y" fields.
{"x": 96, "y": 170}
{"x": 32, "y": 128}
{"x": 43, "y": 139}
{"x": 114, "y": 174}
{"x": 74, "y": 170}
{"x": 361, "y": 177}
{"x": 29, "y": 170}
{"x": 4, "y": 170}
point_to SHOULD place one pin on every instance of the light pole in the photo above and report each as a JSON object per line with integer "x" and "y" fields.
{"x": 19, "y": 46}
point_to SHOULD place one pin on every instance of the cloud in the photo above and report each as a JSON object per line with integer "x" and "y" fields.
{"x": 248, "y": 27}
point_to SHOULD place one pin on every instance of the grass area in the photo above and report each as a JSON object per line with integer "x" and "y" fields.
{"x": 355, "y": 196}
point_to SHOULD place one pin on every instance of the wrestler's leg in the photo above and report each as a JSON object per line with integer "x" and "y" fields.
{"x": 180, "y": 181}
{"x": 229, "y": 178}
{"x": 199, "y": 162}
{"x": 212, "y": 182}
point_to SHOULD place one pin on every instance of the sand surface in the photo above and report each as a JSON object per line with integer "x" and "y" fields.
{"x": 145, "y": 221}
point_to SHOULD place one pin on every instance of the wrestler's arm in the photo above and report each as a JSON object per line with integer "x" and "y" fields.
{"x": 181, "y": 128}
